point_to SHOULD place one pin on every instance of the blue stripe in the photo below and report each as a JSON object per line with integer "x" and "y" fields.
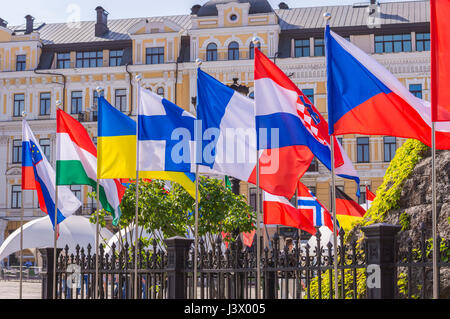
{"x": 26, "y": 154}
{"x": 291, "y": 132}
{"x": 349, "y": 82}
{"x": 356, "y": 179}
{"x": 213, "y": 99}
{"x": 313, "y": 203}
{"x": 112, "y": 122}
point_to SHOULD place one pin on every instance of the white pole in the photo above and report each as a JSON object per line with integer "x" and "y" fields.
{"x": 138, "y": 78}
{"x": 434, "y": 214}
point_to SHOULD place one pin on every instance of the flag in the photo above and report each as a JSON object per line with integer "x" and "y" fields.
{"x": 365, "y": 98}
{"x": 370, "y": 197}
{"x": 76, "y": 163}
{"x": 37, "y": 168}
{"x": 347, "y": 210}
{"x": 166, "y": 135}
{"x": 440, "y": 68}
{"x": 247, "y": 238}
{"x": 279, "y": 211}
{"x": 117, "y": 149}
{"x": 302, "y": 130}
{"x": 311, "y": 207}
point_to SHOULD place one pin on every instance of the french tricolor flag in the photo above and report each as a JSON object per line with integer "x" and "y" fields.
{"x": 365, "y": 98}
{"x": 39, "y": 175}
{"x": 286, "y": 116}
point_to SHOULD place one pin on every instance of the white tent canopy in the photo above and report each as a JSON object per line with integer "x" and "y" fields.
{"x": 127, "y": 234}
{"x": 38, "y": 233}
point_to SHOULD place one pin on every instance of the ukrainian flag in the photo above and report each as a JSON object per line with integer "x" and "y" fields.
{"x": 116, "y": 149}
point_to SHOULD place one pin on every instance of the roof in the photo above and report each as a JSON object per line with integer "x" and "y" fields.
{"x": 290, "y": 19}
{"x": 256, "y": 6}
{"x": 350, "y": 15}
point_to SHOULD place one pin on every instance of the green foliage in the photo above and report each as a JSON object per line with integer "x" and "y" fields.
{"x": 348, "y": 285}
{"x": 404, "y": 220}
{"x": 402, "y": 284}
{"x": 443, "y": 248}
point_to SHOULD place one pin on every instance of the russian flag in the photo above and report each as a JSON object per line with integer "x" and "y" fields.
{"x": 38, "y": 174}
{"x": 302, "y": 131}
{"x": 365, "y": 98}
{"x": 279, "y": 211}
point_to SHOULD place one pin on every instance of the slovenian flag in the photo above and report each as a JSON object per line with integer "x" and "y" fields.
{"x": 365, "y": 98}
{"x": 38, "y": 174}
{"x": 76, "y": 163}
{"x": 302, "y": 131}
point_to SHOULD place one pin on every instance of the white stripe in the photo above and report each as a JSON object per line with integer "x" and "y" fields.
{"x": 422, "y": 107}
{"x": 278, "y": 199}
{"x": 272, "y": 98}
{"x": 152, "y": 155}
{"x": 150, "y": 103}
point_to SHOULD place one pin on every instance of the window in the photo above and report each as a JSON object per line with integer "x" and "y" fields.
{"x": 89, "y": 59}
{"x": 314, "y": 167}
{"x": 302, "y": 48}
{"x": 63, "y": 61}
{"x": 341, "y": 140}
{"x": 16, "y": 196}
{"x": 251, "y": 53}
{"x": 17, "y": 152}
{"x": 19, "y": 104}
{"x": 363, "y": 150}
{"x": 121, "y": 100}
{"x": 76, "y": 190}
{"x": 312, "y": 189}
{"x": 393, "y": 43}
{"x": 21, "y": 62}
{"x": 160, "y": 92}
{"x": 253, "y": 198}
{"x": 422, "y": 42}
{"x": 115, "y": 57}
{"x": 390, "y": 146}
{"x": 45, "y": 147}
{"x": 94, "y": 140}
{"x": 416, "y": 90}
{"x": 44, "y": 104}
{"x": 77, "y": 98}
{"x": 309, "y": 94}
{"x": 319, "y": 47}
{"x": 362, "y": 197}
{"x": 233, "y": 51}
{"x": 211, "y": 52}
{"x": 154, "y": 55}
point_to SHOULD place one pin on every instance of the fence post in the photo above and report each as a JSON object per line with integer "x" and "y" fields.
{"x": 177, "y": 255}
{"x": 381, "y": 256}
{"x": 47, "y": 272}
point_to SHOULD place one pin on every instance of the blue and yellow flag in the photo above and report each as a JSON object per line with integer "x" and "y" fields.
{"x": 116, "y": 150}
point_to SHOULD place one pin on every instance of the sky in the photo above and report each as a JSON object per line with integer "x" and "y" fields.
{"x": 51, "y": 11}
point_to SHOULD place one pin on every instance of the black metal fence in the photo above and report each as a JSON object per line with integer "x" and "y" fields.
{"x": 374, "y": 268}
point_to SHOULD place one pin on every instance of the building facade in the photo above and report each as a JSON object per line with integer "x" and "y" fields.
{"x": 41, "y": 64}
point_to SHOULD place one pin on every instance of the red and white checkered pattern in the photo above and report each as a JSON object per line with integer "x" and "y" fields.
{"x": 309, "y": 123}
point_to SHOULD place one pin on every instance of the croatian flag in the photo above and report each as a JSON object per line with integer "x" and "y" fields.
{"x": 166, "y": 135}
{"x": 301, "y": 128}
{"x": 365, "y": 98}
{"x": 38, "y": 174}
{"x": 315, "y": 211}
{"x": 279, "y": 211}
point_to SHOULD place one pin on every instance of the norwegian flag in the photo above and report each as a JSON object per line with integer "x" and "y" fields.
{"x": 315, "y": 211}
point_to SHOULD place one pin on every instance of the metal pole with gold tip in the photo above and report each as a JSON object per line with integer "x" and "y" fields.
{"x": 136, "y": 229}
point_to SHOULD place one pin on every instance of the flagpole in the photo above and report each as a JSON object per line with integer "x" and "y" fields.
{"x": 434, "y": 213}
{"x": 138, "y": 79}
{"x": 24, "y": 115}
{"x": 256, "y": 41}
{"x": 367, "y": 202}
{"x": 327, "y": 17}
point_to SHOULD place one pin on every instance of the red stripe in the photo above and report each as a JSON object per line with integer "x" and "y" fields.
{"x": 28, "y": 180}
{"x": 289, "y": 163}
{"x": 349, "y": 207}
{"x": 276, "y": 213}
{"x": 369, "y": 195}
{"x": 389, "y": 114}
{"x": 77, "y": 132}
{"x": 41, "y": 199}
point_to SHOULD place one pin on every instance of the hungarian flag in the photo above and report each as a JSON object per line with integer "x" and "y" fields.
{"x": 440, "y": 55}
{"x": 370, "y": 197}
{"x": 76, "y": 163}
{"x": 347, "y": 210}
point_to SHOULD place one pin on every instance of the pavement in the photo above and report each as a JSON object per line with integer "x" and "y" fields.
{"x": 10, "y": 289}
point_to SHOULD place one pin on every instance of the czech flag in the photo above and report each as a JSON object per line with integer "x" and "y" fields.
{"x": 365, "y": 98}
{"x": 39, "y": 175}
{"x": 279, "y": 211}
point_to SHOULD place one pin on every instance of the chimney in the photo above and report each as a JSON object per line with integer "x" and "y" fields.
{"x": 29, "y": 24}
{"x": 373, "y": 1}
{"x": 101, "y": 27}
{"x": 3, "y": 23}
{"x": 283, "y": 5}
{"x": 195, "y": 8}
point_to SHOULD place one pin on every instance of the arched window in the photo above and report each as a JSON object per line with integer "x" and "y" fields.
{"x": 251, "y": 52}
{"x": 233, "y": 51}
{"x": 160, "y": 92}
{"x": 211, "y": 52}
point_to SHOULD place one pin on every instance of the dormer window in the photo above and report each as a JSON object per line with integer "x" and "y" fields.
{"x": 115, "y": 57}
{"x": 63, "y": 61}
{"x": 154, "y": 55}
{"x": 90, "y": 59}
